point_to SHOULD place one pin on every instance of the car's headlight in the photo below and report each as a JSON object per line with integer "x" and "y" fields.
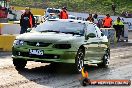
{"x": 62, "y": 46}
{"x": 18, "y": 42}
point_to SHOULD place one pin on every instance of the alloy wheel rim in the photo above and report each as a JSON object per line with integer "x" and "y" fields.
{"x": 107, "y": 59}
{"x": 80, "y": 61}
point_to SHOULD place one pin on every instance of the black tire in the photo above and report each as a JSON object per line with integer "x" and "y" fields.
{"x": 79, "y": 60}
{"x": 19, "y": 63}
{"x": 85, "y": 81}
{"x": 105, "y": 60}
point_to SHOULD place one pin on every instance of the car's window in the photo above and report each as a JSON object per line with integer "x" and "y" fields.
{"x": 57, "y": 11}
{"x": 91, "y": 29}
{"x": 53, "y": 11}
{"x": 59, "y": 26}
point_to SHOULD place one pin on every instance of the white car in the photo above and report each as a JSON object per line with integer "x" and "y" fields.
{"x": 51, "y": 10}
{"x": 71, "y": 17}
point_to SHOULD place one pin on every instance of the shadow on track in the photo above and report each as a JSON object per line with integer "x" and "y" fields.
{"x": 54, "y": 73}
{"x": 4, "y": 54}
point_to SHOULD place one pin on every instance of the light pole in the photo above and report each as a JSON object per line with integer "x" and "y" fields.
{"x": 67, "y": 3}
{"x": 84, "y": 5}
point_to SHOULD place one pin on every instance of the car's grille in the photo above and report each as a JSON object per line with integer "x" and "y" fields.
{"x": 45, "y": 56}
{"x": 39, "y": 44}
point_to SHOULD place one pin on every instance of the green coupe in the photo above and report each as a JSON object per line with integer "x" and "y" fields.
{"x": 62, "y": 41}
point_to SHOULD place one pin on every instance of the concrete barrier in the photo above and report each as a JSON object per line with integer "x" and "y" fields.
{"x": 3, "y": 20}
{"x": 9, "y": 28}
{"x": 6, "y": 42}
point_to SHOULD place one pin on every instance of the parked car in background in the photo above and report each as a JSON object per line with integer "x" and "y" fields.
{"x": 71, "y": 17}
{"x": 52, "y": 10}
{"x": 38, "y": 19}
{"x": 126, "y": 14}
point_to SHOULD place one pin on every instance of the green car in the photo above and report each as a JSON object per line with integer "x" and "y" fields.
{"x": 62, "y": 41}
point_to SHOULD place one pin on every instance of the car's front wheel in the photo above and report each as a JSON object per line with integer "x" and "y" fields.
{"x": 106, "y": 60}
{"x": 19, "y": 63}
{"x": 79, "y": 62}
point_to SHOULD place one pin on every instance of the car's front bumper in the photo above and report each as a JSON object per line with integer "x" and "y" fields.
{"x": 50, "y": 55}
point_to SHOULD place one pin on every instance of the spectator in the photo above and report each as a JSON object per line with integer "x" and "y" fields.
{"x": 100, "y": 23}
{"x": 113, "y": 8}
{"x": 90, "y": 18}
{"x": 96, "y": 20}
{"x": 107, "y": 21}
{"x": 63, "y": 13}
{"x": 27, "y": 20}
{"x": 119, "y": 26}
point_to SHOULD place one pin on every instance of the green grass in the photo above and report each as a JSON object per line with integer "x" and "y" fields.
{"x": 35, "y": 11}
{"x": 91, "y": 6}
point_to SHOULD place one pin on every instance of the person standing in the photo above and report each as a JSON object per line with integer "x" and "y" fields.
{"x": 107, "y": 21}
{"x": 113, "y": 8}
{"x": 27, "y": 20}
{"x": 90, "y": 18}
{"x": 63, "y": 13}
{"x": 96, "y": 20}
{"x": 119, "y": 26}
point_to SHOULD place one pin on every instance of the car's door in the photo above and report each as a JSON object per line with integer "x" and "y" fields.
{"x": 92, "y": 44}
{"x": 103, "y": 44}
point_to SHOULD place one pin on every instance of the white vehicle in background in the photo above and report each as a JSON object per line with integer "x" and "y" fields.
{"x": 52, "y": 10}
{"x": 71, "y": 17}
{"x": 15, "y": 14}
{"x": 39, "y": 19}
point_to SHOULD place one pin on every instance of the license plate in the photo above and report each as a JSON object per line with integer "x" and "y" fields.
{"x": 36, "y": 52}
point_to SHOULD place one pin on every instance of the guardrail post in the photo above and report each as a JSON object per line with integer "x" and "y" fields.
{"x": 110, "y": 33}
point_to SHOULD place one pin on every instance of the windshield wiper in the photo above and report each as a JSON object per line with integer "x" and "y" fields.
{"x": 72, "y": 33}
{"x": 50, "y": 31}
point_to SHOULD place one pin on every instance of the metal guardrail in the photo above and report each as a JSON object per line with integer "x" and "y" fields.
{"x": 111, "y": 34}
{"x": 3, "y": 20}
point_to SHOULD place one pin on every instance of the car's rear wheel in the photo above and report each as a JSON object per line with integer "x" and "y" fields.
{"x": 79, "y": 62}
{"x": 106, "y": 60}
{"x": 19, "y": 63}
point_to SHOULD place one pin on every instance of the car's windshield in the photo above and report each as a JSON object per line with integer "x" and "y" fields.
{"x": 57, "y": 11}
{"x": 62, "y": 27}
{"x": 53, "y": 11}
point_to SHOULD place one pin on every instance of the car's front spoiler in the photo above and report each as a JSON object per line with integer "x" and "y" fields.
{"x": 45, "y": 60}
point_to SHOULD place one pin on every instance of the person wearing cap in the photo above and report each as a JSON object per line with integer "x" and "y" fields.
{"x": 107, "y": 21}
{"x": 90, "y": 18}
{"x": 63, "y": 13}
{"x": 119, "y": 26}
{"x": 96, "y": 20}
{"x": 113, "y": 7}
{"x": 27, "y": 20}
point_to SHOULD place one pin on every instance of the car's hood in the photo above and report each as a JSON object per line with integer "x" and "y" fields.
{"x": 48, "y": 37}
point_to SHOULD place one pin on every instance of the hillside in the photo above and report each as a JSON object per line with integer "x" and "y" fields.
{"x": 92, "y": 6}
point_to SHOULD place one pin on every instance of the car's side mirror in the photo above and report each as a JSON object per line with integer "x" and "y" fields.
{"x": 29, "y": 29}
{"x": 90, "y": 35}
